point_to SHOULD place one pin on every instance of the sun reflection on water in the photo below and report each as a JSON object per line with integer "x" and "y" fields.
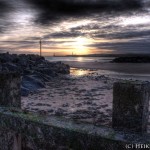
{"x": 79, "y": 72}
{"x": 80, "y": 59}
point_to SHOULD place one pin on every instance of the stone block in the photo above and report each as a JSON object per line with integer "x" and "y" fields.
{"x": 130, "y": 106}
{"x": 10, "y": 90}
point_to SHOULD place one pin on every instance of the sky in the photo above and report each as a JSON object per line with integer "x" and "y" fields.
{"x": 75, "y": 26}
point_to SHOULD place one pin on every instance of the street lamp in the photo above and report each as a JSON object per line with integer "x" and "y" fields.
{"x": 40, "y": 47}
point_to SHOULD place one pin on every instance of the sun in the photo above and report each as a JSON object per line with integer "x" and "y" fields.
{"x": 80, "y": 46}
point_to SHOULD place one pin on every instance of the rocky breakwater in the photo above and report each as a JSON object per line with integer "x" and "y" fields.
{"x": 132, "y": 59}
{"x": 34, "y": 70}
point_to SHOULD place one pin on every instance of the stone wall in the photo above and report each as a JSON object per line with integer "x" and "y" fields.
{"x": 52, "y": 133}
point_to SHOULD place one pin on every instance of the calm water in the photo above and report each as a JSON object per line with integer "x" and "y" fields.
{"x": 81, "y": 59}
{"x": 113, "y": 74}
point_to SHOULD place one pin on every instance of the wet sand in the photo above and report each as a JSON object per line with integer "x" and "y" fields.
{"x": 87, "y": 99}
{"x": 132, "y": 68}
{"x": 84, "y": 97}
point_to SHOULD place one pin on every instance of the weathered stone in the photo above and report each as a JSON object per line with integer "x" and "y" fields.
{"x": 130, "y": 106}
{"x": 40, "y": 132}
{"x": 24, "y": 91}
{"x": 12, "y": 67}
{"x": 31, "y": 83}
{"x": 9, "y": 140}
{"x": 36, "y": 66}
{"x": 10, "y": 94}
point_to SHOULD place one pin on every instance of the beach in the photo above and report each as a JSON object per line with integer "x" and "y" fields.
{"x": 87, "y": 98}
{"x": 86, "y": 95}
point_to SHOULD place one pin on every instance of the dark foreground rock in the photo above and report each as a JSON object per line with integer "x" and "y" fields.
{"x": 137, "y": 59}
{"x": 34, "y": 69}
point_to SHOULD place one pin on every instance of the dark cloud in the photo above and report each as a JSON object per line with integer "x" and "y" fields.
{"x": 77, "y": 6}
{"x": 140, "y": 46}
{"x": 62, "y": 9}
{"x": 64, "y": 34}
{"x": 112, "y": 31}
{"x": 18, "y": 42}
{"x": 51, "y": 13}
{"x": 123, "y": 34}
{"x": 5, "y": 7}
{"x": 29, "y": 44}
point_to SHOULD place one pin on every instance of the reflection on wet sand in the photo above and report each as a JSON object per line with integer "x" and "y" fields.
{"x": 80, "y": 72}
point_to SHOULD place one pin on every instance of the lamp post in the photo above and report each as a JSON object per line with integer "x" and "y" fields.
{"x": 40, "y": 47}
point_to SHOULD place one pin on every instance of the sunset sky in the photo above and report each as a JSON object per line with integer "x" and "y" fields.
{"x": 75, "y": 26}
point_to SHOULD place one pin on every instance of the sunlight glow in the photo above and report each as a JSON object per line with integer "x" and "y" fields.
{"x": 76, "y": 23}
{"x": 78, "y": 72}
{"x": 80, "y": 45}
{"x": 137, "y": 20}
{"x": 22, "y": 18}
{"x": 80, "y": 59}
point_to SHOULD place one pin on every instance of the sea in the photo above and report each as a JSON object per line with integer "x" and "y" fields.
{"x": 81, "y": 59}
{"x": 108, "y": 73}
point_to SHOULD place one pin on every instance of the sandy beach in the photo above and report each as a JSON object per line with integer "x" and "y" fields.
{"x": 83, "y": 96}
{"x": 87, "y": 98}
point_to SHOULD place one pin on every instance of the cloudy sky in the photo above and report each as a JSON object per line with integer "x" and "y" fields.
{"x": 78, "y": 26}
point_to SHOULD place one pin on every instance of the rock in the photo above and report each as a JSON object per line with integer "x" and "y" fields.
{"x": 79, "y": 105}
{"x": 104, "y": 106}
{"x": 94, "y": 104}
{"x": 45, "y": 77}
{"x": 65, "y": 105}
{"x": 12, "y": 67}
{"x": 50, "y": 111}
{"x": 87, "y": 102}
{"x": 24, "y": 91}
{"x": 31, "y": 83}
{"x": 47, "y": 71}
{"x": 5, "y": 57}
{"x": 35, "y": 70}
{"x": 59, "y": 112}
{"x": 132, "y": 59}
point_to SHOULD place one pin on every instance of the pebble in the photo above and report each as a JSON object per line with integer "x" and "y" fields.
{"x": 65, "y": 105}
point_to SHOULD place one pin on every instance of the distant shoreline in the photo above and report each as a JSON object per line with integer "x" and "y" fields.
{"x": 103, "y": 55}
{"x": 132, "y": 59}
